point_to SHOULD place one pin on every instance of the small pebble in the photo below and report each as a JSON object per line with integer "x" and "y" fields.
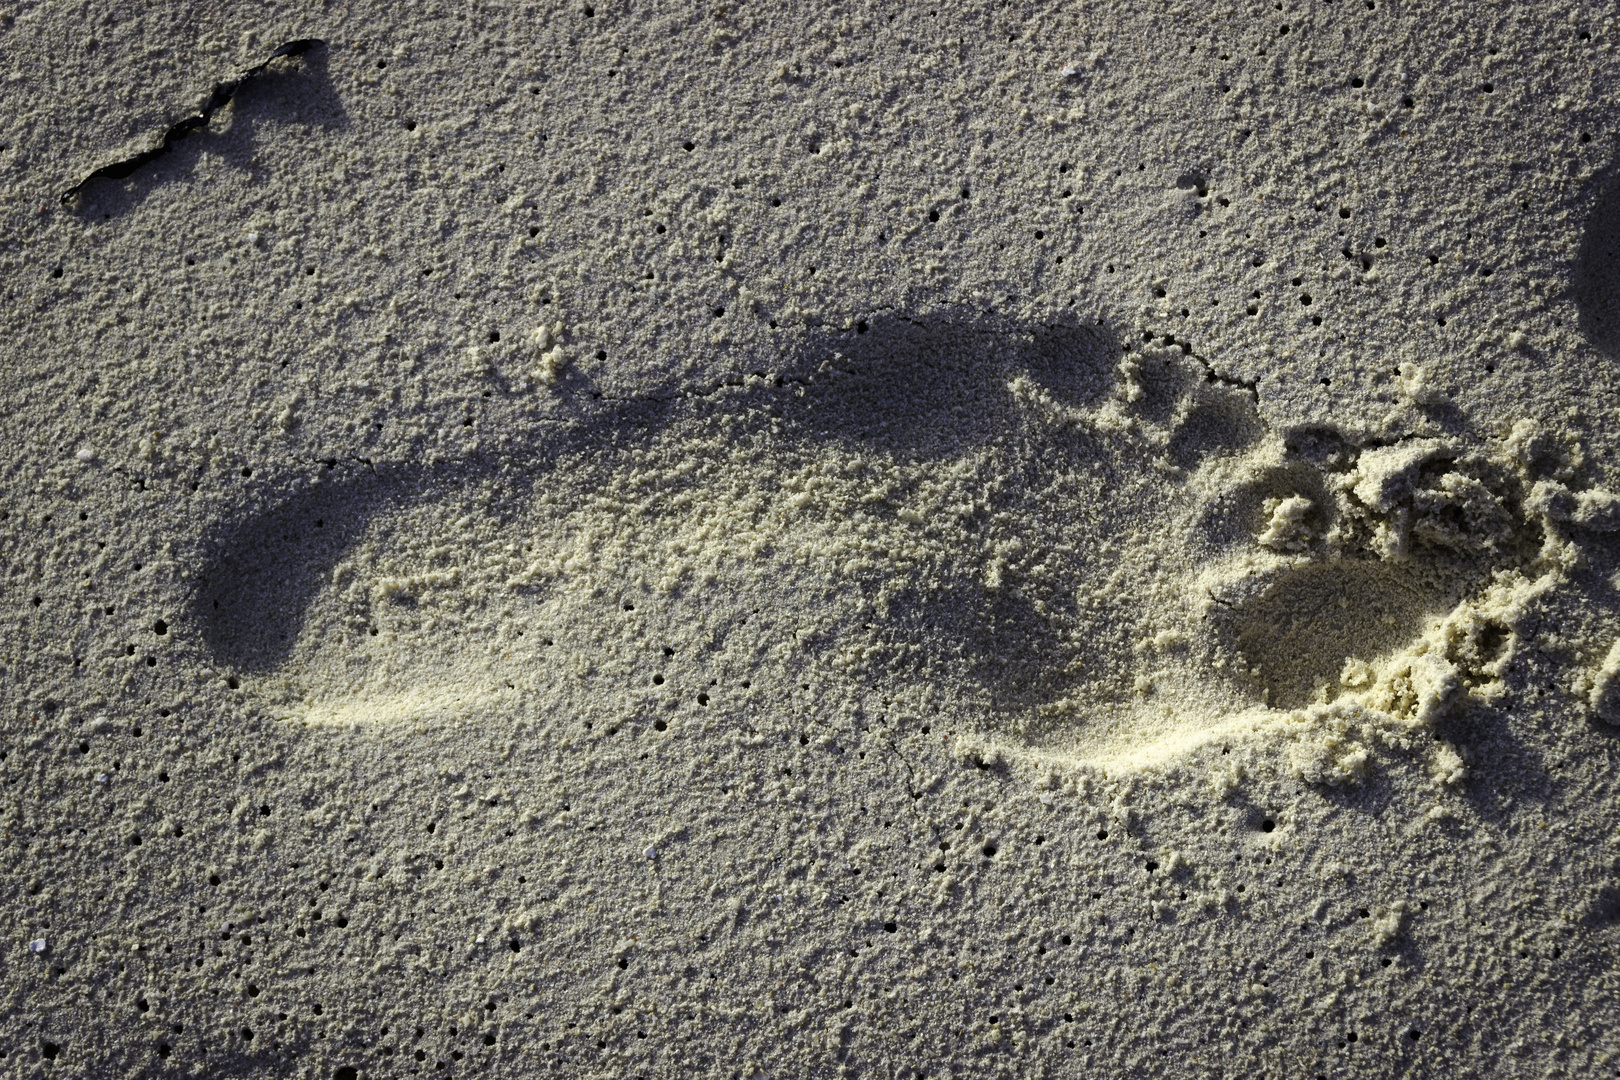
{"x": 101, "y": 778}
{"x": 253, "y": 238}
{"x": 37, "y": 946}
{"x": 651, "y": 853}
{"x": 85, "y": 454}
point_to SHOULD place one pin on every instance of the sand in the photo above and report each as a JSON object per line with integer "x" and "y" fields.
{"x": 749, "y": 541}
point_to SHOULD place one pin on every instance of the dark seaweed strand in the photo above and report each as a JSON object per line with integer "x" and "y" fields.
{"x": 223, "y": 92}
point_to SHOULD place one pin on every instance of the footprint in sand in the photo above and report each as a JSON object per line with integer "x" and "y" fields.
{"x": 1081, "y": 547}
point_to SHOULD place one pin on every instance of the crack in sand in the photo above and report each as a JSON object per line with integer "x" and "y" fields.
{"x": 222, "y": 95}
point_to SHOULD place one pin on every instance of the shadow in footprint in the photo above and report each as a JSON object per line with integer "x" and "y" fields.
{"x": 1214, "y": 427}
{"x": 904, "y": 393}
{"x": 262, "y": 571}
{"x": 936, "y": 385}
{"x": 1596, "y": 278}
{"x": 265, "y": 570}
{"x": 1298, "y": 633}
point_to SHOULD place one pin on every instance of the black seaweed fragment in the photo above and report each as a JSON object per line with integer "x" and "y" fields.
{"x": 223, "y": 92}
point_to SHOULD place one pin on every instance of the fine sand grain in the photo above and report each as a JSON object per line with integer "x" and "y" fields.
{"x": 757, "y": 541}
